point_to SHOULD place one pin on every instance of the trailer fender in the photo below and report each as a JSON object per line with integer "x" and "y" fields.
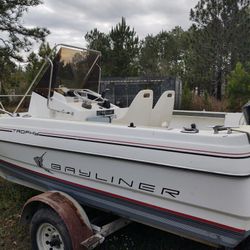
{"x": 67, "y": 208}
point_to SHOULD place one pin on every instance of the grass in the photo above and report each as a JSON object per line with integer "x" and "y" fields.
{"x": 12, "y": 198}
{"x": 133, "y": 237}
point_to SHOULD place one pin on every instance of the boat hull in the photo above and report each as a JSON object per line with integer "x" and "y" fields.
{"x": 189, "y": 203}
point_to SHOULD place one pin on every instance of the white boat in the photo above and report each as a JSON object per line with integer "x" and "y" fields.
{"x": 145, "y": 163}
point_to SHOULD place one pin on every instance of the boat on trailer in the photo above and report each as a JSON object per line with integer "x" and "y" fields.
{"x": 185, "y": 172}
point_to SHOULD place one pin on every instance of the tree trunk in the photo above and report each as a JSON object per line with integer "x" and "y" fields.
{"x": 219, "y": 84}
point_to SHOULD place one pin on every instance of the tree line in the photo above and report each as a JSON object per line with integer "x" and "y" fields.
{"x": 203, "y": 57}
{"x": 211, "y": 56}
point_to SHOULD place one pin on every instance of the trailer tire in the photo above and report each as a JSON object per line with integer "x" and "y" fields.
{"x": 48, "y": 231}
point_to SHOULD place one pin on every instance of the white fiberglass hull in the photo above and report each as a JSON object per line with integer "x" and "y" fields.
{"x": 188, "y": 187}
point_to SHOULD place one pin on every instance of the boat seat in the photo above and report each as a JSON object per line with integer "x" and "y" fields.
{"x": 139, "y": 111}
{"x": 161, "y": 114}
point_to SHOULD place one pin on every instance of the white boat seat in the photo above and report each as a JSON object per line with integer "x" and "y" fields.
{"x": 139, "y": 111}
{"x": 162, "y": 112}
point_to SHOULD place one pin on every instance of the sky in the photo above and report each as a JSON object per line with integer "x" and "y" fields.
{"x": 69, "y": 20}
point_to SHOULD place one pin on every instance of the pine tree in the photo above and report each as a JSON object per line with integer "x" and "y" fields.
{"x": 238, "y": 89}
{"x": 221, "y": 31}
{"x": 99, "y": 41}
{"x": 124, "y": 50}
{"x": 171, "y": 51}
{"x": 149, "y": 57}
{"x": 14, "y": 36}
{"x": 120, "y": 49}
{"x": 35, "y": 61}
{"x": 163, "y": 54}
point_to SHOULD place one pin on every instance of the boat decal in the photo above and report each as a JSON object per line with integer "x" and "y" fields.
{"x": 117, "y": 180}
{"x": 39, "y": 162}
{"x": 24, "y": 131}
{"x": 6, "y": 130}
{"x": 133, "y": 201}
{"x": 167, "y": 148}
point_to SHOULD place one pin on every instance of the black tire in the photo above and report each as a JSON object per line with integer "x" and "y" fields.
{"x": 48, "y": 229}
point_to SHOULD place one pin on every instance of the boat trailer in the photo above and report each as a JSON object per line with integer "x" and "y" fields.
{"x": 57, "y": 220}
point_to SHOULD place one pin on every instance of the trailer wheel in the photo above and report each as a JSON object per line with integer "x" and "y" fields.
{"x": 48, "y": 231}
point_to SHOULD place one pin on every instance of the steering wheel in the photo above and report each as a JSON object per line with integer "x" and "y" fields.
{"x": 88, "y": 95}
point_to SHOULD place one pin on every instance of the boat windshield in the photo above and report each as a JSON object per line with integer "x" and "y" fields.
{"x": 67, "y": 66}
{"x": 72, "y": 68}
